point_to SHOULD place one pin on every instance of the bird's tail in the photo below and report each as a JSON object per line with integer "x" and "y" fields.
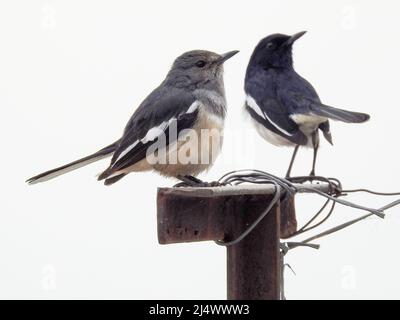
{"x": 339, "y": 114}
{"x": 101, "y": 154}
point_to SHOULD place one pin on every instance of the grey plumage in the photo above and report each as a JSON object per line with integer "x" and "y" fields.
{"x": 191, "y": 97}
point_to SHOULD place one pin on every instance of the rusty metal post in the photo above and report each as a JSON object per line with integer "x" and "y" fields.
{"x": 200, "y": 214}
{"x": 288, "y": 218}
{"x": 253, "y": 265}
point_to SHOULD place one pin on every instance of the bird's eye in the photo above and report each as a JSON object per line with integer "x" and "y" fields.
{"x": 200, "y": 63}
{"x": 270, "y": 45}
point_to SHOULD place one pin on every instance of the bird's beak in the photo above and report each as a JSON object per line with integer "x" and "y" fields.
{"x": 294, "y": 37}
{"x": 226, "y": 56}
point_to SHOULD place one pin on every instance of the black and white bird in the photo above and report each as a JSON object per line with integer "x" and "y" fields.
{"x": 189, "y": 101}
{"x": 284, "y": 107}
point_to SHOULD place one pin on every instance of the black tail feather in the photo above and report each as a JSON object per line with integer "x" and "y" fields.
{"x": 50, "y": 174}
{"x": 339, "y": 114}
{"x": 113, "y": 180}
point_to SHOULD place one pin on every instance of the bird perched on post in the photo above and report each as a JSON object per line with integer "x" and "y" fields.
{"x": 284, "y": 107}
{"x": 175, "y": 130}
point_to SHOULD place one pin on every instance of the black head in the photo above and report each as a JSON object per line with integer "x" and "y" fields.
{"x": 275, "y": 51}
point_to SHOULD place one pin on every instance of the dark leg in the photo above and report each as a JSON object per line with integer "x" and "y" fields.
{"x": 193, "y": 179}
{"x": 292, "y": 161}
{"x": 190, "y": 181}
{"x": 315, "y": 141}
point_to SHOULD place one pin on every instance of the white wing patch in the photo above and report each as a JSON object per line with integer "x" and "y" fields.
{"x": 193, "y": 107}
{"x": 255, "y": 107}
{"x": 154, "y": 132}
{"x": 123, "y": 153}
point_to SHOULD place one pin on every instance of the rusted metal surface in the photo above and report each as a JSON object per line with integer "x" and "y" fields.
{"x": 183, "y": 213}
{"x": 288, "y": 218}
{"x": 253, "y": 271}
{"x": 253, "y": 264}
{"x": 183, "y": 217}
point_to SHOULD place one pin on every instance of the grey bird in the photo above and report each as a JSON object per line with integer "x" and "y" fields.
{"x": 189, "y": 101}
{"x": 284, "y": 107}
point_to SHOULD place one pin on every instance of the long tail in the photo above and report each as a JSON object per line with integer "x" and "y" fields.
{"x": 101, "y": 154}
{"x": 338, "y": 114}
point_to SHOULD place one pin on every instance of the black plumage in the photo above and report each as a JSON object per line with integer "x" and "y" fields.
{"x": 284, "y": 106}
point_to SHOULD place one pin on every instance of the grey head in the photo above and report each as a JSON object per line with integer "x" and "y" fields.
{"x": 198, "y": 69}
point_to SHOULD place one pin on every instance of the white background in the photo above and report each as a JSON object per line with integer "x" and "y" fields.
{"x": 72, "y": 73}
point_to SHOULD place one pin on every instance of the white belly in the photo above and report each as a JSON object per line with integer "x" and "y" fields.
{"x": 307, "y": 124}
{"x": 271, "y": 136}
{"x": 197, "y": 150}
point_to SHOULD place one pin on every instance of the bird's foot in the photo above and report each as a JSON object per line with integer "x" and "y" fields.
{"x": 190, "y": 181}
{"x": 215, "y": 184}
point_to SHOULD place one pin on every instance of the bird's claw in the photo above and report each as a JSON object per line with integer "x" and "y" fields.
{"x": 189, "y": 181}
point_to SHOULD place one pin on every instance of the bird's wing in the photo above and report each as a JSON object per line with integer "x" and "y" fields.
{"x": 273, "y": 115}
{"x": 163, "y": 109}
